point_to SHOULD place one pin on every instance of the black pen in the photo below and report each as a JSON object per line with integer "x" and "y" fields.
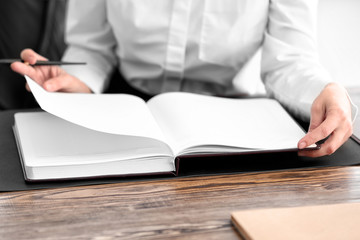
{"x": 41, "y": 63}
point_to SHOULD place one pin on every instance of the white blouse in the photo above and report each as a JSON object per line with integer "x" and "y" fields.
{"x": 198, "y": 46}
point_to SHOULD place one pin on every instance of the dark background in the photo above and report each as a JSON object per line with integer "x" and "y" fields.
{"x": 38, "y": 25}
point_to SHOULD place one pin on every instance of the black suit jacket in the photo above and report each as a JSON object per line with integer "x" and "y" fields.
{"x": 36, "y": 24}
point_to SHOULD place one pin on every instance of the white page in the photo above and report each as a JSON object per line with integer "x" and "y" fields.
{"x": 53, "y": 148}
{"x": 193, "y": 120}
{"x": 47, "y": 140}
{"x": 111, "y": 113}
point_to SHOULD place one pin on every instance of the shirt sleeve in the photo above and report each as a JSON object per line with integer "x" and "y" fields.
{"x": 90, "y": 39}
{"x": 290, "y": 66}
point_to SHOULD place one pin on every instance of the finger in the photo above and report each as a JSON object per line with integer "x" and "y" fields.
{"x": 327, "y": 148}
{"x": 27, "y": 87}
{"x": 66, "y": 83}
{"x": 60, "y": 83}
{"x": 28, "y": 55}
{"x": 319, "y": 133}
{"x": 24, "y": 69}
{"x": 337, "y": 138}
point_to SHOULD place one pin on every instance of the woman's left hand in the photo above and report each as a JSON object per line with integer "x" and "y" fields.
{"x": 331, "y": 119}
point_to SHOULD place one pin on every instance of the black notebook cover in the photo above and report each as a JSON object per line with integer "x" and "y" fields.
{"x": 12, "y": 178}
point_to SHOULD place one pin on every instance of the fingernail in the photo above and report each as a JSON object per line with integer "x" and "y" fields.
{"x": 302, "y": 145}
{"x": 49, "y": 87}
{"x": 32, "y": 60}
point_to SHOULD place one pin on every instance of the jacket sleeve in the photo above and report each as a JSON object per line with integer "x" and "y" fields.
{"x": 90, "y": 38}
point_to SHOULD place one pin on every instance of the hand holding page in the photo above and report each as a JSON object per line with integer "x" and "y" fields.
{"x": 118, "y": 134}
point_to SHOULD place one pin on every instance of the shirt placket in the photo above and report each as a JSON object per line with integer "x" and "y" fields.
{"x": 176, "y": 47}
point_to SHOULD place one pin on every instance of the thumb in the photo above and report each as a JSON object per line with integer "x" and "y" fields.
{"x": 66, "y": 83}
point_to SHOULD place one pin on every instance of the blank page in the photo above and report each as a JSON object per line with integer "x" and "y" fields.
{"x": 193, "y": 120}
{"x": 111, "y": 113}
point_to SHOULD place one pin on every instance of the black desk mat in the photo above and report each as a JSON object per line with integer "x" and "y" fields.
{"x": 12, "y": 179}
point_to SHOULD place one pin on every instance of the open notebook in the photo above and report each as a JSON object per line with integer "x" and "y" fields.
{"x": 97, "y": 135}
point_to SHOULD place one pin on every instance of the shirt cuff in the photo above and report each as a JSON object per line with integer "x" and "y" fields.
{"x": 354, "y": 109}
{"x": 95, "y": 74}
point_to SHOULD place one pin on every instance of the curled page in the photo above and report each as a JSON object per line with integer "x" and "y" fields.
{"x": 111, "y": 113}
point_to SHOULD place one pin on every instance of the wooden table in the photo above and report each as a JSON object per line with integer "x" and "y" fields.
{"x": 179, "y": 208}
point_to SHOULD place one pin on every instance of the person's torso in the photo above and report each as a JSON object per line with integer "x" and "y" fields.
{"x": 186, "y": 45}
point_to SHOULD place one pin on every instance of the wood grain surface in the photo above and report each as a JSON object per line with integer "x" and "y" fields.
{"x": 179, "y": 208}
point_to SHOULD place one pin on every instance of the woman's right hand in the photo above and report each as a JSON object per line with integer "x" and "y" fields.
{"x": 51, "y": 78}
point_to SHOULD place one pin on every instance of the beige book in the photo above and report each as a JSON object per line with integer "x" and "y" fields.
{"x": 336, "y": 221}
